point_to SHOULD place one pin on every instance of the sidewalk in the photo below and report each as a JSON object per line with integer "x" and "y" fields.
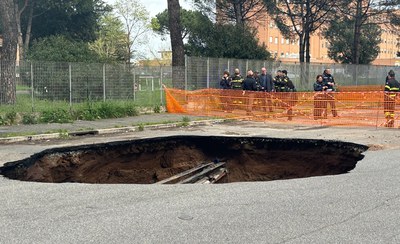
{"x": 22, "y": 132}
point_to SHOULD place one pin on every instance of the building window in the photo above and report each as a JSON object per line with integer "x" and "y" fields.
{"x": 287, "y": 41}
{"x": 270, "y": 39}
{"x": 282, "y": 41}
{"x": 276, "y": 40}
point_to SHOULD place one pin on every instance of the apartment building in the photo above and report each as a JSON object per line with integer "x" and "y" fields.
{"x": 287, "y": 50}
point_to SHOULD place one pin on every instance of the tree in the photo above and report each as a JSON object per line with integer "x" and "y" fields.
{"x": 367, "y": 12}
{"x": 303, "y": 17}
{"x": 137, "y": 23}
{"x": 227, "y": 41}
{"x": 178, "y": 54}
{"x": 204, "y": 38}
{"x": 76, "y": 19}
{"x": 61, "y": 49}
{"x": 238, "y": 12}
{"x": 110, "y": 42}
{"x": 341, "y": 42}
{"x": 8, "y": 53}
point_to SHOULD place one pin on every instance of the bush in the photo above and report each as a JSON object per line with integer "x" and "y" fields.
{"x": 29, "y": 119}
{"x": 56, "y": 116}
{"x": 11, "y": 117}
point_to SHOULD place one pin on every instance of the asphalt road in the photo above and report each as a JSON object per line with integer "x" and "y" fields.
{"x": 362, "y": 206}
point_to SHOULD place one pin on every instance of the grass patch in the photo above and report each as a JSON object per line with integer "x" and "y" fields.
{"x": 14, "y": 134}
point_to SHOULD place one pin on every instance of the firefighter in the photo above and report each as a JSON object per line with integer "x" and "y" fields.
{"x": 236, "y": 85}
{"x": 319, "y": 98}
{"x": 236, "y": 81}
{"x": 291, "y": 97}
{"x": 330, "y": 95}
{"x": 392, "y": 87}
{"x": 225, "y": 86}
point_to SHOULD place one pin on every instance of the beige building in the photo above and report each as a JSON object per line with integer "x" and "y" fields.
{"x": 165, "y": 60}
{"x": 287, "y": 50}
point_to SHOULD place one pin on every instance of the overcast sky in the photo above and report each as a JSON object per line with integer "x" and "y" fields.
{"x": 154, "y": 7}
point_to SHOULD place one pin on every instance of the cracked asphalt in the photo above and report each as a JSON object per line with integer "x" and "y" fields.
{"x": 362, "y": 206}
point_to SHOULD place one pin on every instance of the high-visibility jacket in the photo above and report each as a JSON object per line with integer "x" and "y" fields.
{"x": 236, "y": 82}
{"x": 392, "y": 86}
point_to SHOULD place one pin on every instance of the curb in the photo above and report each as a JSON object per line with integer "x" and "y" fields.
{"x": 106, "y": 131}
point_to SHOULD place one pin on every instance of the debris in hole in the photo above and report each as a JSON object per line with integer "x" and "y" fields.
{"x": 153, "y": 160}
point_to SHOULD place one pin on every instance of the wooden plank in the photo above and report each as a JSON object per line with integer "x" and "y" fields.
{"x": 201, "y": 174}
{"x": 184, "y": 173}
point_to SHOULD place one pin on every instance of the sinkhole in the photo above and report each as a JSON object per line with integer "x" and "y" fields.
{"x": 152, "y": 160}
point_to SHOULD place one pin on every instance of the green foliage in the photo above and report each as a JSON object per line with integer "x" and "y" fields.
{"x": 105, "y": 110}
{"x": 60, "y": 48}
{"x": 141, "y": 127}
{"x": 76, "y": 19}
{"x": 213, "y": 40}
{"x": 227, "y": 41}
{"x": 29, "y": 119}
{"x": 56, "y": 116}
{"x": 341, "y": 39}
{"x": 136, "y": 21}
{"x": 157, "y": 109}
{"x": 110, "y": 43}
{"x": 11, "y": 117}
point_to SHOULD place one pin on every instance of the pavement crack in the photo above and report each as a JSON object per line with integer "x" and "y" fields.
{"x": 383, "y": 203}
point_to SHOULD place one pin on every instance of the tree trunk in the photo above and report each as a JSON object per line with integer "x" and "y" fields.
{"x": 237, "y": 6}
{"x": 28, "y": 28}
{"x": 8, "y": 52}
{"x": 301, "y": 48}
{"x": 178, "y": 53}
{"x": 21, "y": 45}
{"x": 357, "y": 33}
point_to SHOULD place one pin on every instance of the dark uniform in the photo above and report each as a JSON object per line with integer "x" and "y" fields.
{"x": 267, "y": 86}
{"x": 330, "y": 96}
{"x": 284, "y": 84}
{"x": 319, "y": 99}
{"x": 250, "y": 86}
{"x": 225, "y": 84}
{"x": 237, "y": 82}
{"x": 392, "y": 87}
{"x": 237, "y": 99}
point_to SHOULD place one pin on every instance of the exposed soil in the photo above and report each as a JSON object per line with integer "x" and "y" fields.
{"x": 147, "y": 161}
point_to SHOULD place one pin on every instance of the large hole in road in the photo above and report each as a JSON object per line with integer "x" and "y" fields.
{"x": 145, "y": 161}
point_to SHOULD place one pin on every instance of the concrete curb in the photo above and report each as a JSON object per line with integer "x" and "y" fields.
{"x": 107, "y": 131}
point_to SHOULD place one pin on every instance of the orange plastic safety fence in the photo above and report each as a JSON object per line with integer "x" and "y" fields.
{"x": 369, "y": 108}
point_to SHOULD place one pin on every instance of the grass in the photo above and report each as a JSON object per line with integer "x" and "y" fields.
{"x": 26, "y": 111}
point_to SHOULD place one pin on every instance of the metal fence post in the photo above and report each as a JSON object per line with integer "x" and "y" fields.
{"x": 104, "y": 82}
{"x": 32, "y": 90}
{"x": 70, "y": 85}
{"x": 228, "y": 66}
{"x": 208, "y": 73}
{"x": 134, "y": 84}
{"x": 247, "y": 65}
{"x": 161, "y": 87}
{"x": 186, "y": 72}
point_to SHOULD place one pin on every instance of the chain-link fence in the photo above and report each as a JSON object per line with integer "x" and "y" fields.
{"x": 207, "y": 72}
{"x": 81, "y": 82}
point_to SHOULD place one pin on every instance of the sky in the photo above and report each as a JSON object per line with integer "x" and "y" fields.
{"x": 154, "y": 7}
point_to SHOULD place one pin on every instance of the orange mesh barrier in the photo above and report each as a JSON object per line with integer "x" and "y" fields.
{"x": 334, "y": 108}
{"x": 361, "y": 88}
{"x": 173, "y": 105}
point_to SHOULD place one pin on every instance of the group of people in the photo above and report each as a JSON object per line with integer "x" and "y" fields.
{"x": 324, "y": 87}
{"x": 261, "y": 82}
{"x": 255, "y": 81}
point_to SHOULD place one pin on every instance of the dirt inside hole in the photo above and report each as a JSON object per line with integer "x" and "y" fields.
{"x": 146, "y": 161}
